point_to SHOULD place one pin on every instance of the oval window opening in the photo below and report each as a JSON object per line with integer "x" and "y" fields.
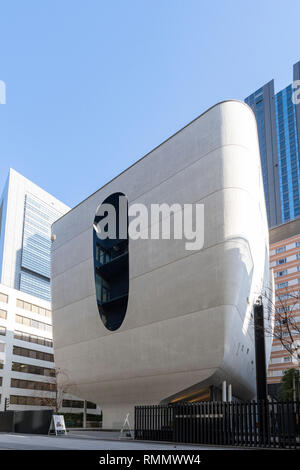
{"x": 111, "y": 260}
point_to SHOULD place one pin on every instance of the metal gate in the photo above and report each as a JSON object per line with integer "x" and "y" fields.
{"x": 250, "y": 424}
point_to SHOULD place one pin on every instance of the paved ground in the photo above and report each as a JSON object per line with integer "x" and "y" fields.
{"x": 84, "y": 441}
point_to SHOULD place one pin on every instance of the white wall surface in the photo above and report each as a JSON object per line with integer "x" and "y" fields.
{"x": 188, "y": 321}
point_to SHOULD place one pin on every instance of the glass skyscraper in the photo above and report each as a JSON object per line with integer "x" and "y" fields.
{"x": 262, "y": 103}
{"x": 288, "y": 153}
{"x": 26, "y": 215}
{"x": 278, "y": 124}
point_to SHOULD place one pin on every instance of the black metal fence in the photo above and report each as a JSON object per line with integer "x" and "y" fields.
{"x": 251, "y": 424}
{"x": 29, "y": 421}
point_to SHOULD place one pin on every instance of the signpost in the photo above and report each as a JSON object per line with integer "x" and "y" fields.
{"x": 126, "y": 431}
{"x": 57, "y": 425}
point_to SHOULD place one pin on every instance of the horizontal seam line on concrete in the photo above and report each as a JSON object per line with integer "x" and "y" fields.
{"x": 203, "y": 249}
{"x": 149, "y": 376}
{"x": 159, "y": 321}
{"x": 159, "y": 267}
{"x": 169, "y": 177}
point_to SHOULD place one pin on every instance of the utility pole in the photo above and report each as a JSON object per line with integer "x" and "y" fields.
{"x": 84, "y": 414}
{"x": 261, "y": 370}
{"x": 260, "y": 351}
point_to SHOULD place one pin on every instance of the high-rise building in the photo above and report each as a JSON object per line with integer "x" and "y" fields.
{"x": 278, "y": 123}
{"x": 27, "y": 369}
{"x": 285, "y": 262}
{"x": 262, "y": 103}
{"x": 288, "y": 154}
{"x": 26, "y": 215}
{"x": 296, "y": 77}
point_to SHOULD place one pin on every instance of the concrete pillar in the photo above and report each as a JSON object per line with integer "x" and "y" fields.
{"x": 230, "y": 393}
{"x": 224, "y": 390}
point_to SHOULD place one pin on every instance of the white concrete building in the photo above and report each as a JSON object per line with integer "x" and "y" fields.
{"x": 149, "y": 321}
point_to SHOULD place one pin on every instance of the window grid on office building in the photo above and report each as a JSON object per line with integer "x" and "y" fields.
{"x": 3, "y": 298}
{"x": 20, "y": 335}
{"x": 33, "y": 308}
{"x": 31, "y": 369}
{"x": 33, "y": 385}
{"x": 33, "y": 323}
{"x": 38, "y": 218}
{"x": 77, "y": 404}
{"x": 34, "y": 401}
{"x": 3, "y": 314}
{"x": 33, "y": 354}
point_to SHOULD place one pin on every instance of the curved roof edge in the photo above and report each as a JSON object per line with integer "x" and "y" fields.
{"x": 157, "y": 146}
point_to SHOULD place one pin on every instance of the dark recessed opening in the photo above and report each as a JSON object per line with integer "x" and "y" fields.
{"x": 111, "y": 263}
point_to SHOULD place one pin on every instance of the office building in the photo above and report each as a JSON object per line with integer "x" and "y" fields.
{"x": 26, "y": 215}
{"x": 27, "y": 369}
{"x": 144, "y": 320}
{"x": 285, "y": 262}
{"x": 262, "y": 103}
{"x": 278, "y": 123}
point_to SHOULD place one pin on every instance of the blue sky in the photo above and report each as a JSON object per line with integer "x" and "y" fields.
{"x": 94, "y": 85}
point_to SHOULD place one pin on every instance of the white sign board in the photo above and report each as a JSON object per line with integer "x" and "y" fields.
{"x": 126, "y": 431}
{"x": 57, "y": 425}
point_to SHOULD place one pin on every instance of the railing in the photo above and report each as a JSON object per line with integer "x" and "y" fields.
{"x": 250, "y": 424}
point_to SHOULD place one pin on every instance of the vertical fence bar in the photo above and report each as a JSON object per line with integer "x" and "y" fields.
{"x": 204, "y": 420}
{"x": 198, "y": 424}
{"x": 192, "y": 407}
{"x": 209, "y": 423}
{"x": 218, "y": 422}
{"x": 250, "y": 424}
{"x": 212, "y": 422}
{"x": 273, "y": 436}
{"x": 151, "y": 411}
{"x": 232, "y": 424}
{"x": 297, "y": 420}
{"x": 222, "y": 423}
{"x": 242, "y": 431}
{"x": 193, "y": 419}
{"x": 226, "y": 408}
{"x": 283, "y": 427}
{"x": 280, "y": 425}
{"x": 176, "y": 421}
{"x": 254, "y": 409}
{"x": 186, "y": 420}
{"x": 179, "y": 423}
{"x": 172, "y": 421}
{"x": 246, "y": 441}
{"x": 156, "y": 422}
{"x": 147, "y": 423}
{"x": 238, "y": 423}
{"x": 288, "y": 422}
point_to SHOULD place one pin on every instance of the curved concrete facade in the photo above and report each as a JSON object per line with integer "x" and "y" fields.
{"x": 188, "y": 322}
